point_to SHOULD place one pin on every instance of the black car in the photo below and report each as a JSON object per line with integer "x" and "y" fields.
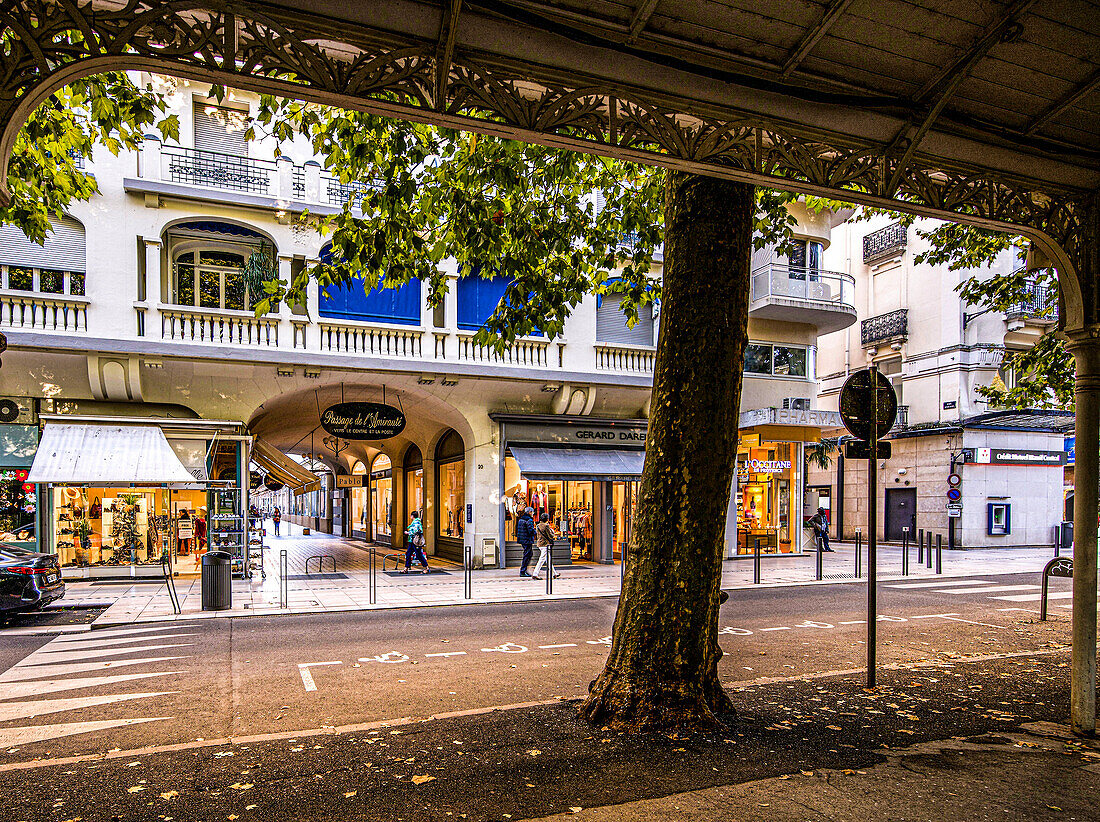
{"x": 28, "y": 580}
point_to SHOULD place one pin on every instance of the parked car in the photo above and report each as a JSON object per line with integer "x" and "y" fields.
{"x": 28, "y": 579}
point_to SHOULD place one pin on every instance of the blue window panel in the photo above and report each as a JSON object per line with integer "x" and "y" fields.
{"x": 478, "y": 298}
{"x": 384, "y": 305}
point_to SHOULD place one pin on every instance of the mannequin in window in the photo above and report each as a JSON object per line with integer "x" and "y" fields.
{"x": 540, "y": 501}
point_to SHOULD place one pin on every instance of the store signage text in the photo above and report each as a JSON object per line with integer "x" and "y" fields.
{"x": 349, "y": 481}
{"x": 363, "y": 420}
{"x": 1017, "y": 456}
{"x": 608, "y": 436}
{"x": 763, "y": 466}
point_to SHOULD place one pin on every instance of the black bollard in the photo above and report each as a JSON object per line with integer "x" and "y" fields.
{"x": 820, "y": 560}
{"x": 939, "y": 553}
{"x": 756, "y": 562}
{"x": 928, "y": 553}
{"x": 859, "y": 553}
{"x": 920, "y": 545}
{"x": 905, "y": 552}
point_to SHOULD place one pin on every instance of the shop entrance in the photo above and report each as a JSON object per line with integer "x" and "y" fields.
{"x": 767, "y": 480}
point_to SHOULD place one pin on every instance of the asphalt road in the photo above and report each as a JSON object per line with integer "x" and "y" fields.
{"x": 173, "y": 683}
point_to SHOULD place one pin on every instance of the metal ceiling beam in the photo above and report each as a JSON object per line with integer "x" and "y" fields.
{"x": 1076, "y": 95}
{"x": 444, "y": 51}
{"x": 811, "y": 37}
{"x": 641, "y": 17}
{"x": 946, "y": 82}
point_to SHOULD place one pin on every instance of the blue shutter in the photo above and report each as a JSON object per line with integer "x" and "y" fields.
{"x": 384, "y": 305}
{"x": 478, "y": 298}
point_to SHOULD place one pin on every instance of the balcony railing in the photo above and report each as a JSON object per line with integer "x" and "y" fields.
{"x": 31, "y": 311}
{"x": 627, "y": 359}
{"x": 216, "y": 170}
{"x": 884, "y": 243}
{"x": 801, "y": 283}
{"x": 213, "y": 327}
{"x": 1041, "y": 302}
{"x": 885, "y": 327}
{"x": 370, "y": 340}
{"x": 526, "y": 353}
{"x": 902, "y": 419}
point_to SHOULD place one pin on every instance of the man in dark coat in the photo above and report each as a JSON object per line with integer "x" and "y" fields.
{"x": 525, "y": 536}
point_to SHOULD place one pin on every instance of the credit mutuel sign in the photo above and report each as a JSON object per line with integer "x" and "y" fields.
{"x": 1017, "y": 456}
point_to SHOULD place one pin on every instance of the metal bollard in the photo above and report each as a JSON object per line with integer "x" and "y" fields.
{"x": 1057, "y": 539}
{"x": 756, "y": 562}
{"x": 372, "y": 580}
{"x": 468, "y": 572}
{"x": 284, "y": 583}
{"x": 550, "y": 570}
{"x": 905, "y": 552}
{"x": 928, "y": 552}
{"x": 820, "y": 561}
{"x": 939, "y": 553}
{"x": 859, "y": 553}
{"x": 920, "y": 545}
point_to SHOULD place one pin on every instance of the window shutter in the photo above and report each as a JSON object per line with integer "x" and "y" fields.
{"x": 611, "y": 323}
{"x": 220, "y": 129}
{"x": 64, "y": 248}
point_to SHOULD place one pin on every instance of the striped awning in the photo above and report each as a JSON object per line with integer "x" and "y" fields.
{"x": 89, "y": 454}
{"x": 283, "y": 467}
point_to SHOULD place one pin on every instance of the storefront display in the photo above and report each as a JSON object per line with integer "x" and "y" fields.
{"x": 18, "y": 507}
{"x": 767, "y": 480}
{"x": 450, "y": 458}
{"x": 360, "y": 503}
{"x": 381, "y": 499}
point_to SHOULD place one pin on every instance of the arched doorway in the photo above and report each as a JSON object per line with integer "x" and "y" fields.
{"x": 414, "y": 482}
{"x": 450, "y": 462}
{"x": 381, "y": 500}
{"x": 360, "y": 508}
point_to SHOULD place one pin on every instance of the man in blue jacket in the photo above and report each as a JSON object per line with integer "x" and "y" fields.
{"x": 525, "y": 536}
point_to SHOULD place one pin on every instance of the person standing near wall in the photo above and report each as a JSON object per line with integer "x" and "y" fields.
{"x": 525, "y": 536}
{"x": 545, "y": 535}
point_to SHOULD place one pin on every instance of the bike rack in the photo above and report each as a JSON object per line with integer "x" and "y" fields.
{"x": 1057, "y": 567}
{"x": 397, "y": 560}
{"x": 166, "y": 567}
{"x": 320, "y": 562}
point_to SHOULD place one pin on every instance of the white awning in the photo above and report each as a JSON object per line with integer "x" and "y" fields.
{"x": 578, "y": 463}
{"x": 286, "y": 470}
{"x": 86, "y": 454}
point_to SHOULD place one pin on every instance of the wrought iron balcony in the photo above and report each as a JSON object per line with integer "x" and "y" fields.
{"x": 885, "y": 327}
{"x": 1041, "y": 303}
{"x": 211, "y": 168}
{"x": 885, "y": 242}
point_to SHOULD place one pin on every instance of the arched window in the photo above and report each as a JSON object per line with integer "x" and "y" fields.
{"x": 414, "y": 481}
{"x": 208, "y": 261}
{"x": 349, "y": 301}
{"x": 360, "y": 512}
{"x": 58, "y": 267}
{"x": 450, "y": 460}
{"x": 381, "y": 495}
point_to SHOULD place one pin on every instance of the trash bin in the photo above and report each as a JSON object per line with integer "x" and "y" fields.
{"x": 217, "y": 581}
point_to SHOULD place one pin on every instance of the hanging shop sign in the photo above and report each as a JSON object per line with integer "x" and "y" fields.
{"x": 255, "y": 480}
{"x": 272, "y": 484}
{"x": 349, "y": 480}
{"x": 363, "y": 420}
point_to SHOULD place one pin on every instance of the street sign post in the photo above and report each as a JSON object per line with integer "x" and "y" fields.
{"x": 954, "y": 494}
{"x": 868, "y": 407}
{"x": 954, "y": 510}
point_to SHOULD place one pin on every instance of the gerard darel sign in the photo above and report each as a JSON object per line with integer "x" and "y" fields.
{"x": 363, "y": 420}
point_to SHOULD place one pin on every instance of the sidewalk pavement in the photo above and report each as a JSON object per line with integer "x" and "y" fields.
{"x": 349, "y": 588}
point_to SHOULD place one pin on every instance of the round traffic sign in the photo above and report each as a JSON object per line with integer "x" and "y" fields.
{"x": 868, "y": 403}
{"x": 953, "y": 480}
{"x": 954, "y": 494}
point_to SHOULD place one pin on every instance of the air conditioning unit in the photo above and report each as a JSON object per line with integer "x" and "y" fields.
{"x": 796, "y": 404}
{"x": 17, "y": 410}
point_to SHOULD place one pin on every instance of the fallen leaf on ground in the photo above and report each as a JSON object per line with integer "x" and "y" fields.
{"x": 350, "y": 794}
{"x": 169, "y": 795}
{"x": 135, "y": 789}
{"x": 420, "y": 780}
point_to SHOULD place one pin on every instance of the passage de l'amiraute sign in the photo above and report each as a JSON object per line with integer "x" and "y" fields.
{"x": 363, "y": 420}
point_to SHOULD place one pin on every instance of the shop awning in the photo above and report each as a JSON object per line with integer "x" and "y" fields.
{"x": 286, "y": 470}
{"x": 578, "y": 463}
{"x": 86, "y": 454}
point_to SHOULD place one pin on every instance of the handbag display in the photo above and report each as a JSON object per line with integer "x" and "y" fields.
{"x": 95, "y": 510}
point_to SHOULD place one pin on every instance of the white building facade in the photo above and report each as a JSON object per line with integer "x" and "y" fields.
{"x": 136, "y": 314}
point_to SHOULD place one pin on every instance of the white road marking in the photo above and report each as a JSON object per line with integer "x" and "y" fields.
{"x": 307, "y": 677}
{"x": 855, "y": 622}
{"x": 20, "y": 672}
{"x": 783, "y": 628}
{"x": 933, "y": 616}
{"x": 37, "y": 707}
{"x": 389, "y": 657}
{"x": 940, "y": 584}
{"x": 506, "y": 648}
{"x": 605, "y": 641}
{"x": 46, "y": 654}
{"x": 448, "y": 653}
{"x": 991, "y": 589}
{"x": 1036, "y": 597}
{"x": 563, "y": 645}
{"x": 108, "y": 634}
{"x": 735, "y": 631}
{"x": 35, "y": 687}
{"x": 1029, "y": 610}
{"x": 955, "y": 618}
{"x": 92, "y": 641}
{"x": 809, "y": 623}
{"x": 41, "y": 733}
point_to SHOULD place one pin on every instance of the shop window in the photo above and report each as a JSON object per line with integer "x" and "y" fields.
{"x": 451, "y": 463}
{"x": 381, "y": 494}
{"x": 18, "y": 507}
{"x": 350, "y": 301}
{"x": 767, "y": 481}
{"x": 414, "y": 482}
{"x": 359, "y": 499}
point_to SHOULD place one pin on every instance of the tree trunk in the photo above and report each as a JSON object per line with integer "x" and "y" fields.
{"x": 662, "y": 671}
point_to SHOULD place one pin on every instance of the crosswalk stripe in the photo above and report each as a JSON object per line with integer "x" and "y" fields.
{"x": 20, "y": 673}
{"x": 41, "y": 733}
{"x": 18, "y": 690}
{"x": 37, "y": 707}
{"x": 1036, "y": 597}
{"x": 106, "y": 634}
{"x": 993, "y": 589}
{"x": 939, "y": 584}
{"x": 50, "y": 655}
{"x": 88, "y": 641}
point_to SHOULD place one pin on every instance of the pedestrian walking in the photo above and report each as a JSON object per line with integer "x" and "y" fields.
{"x": 414, "y": 544}
{"x": 525, "y": 536}
{"x": 276, "y": 518}
{"x": 820, "y": 523}
{"x": 544, "y": 539}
